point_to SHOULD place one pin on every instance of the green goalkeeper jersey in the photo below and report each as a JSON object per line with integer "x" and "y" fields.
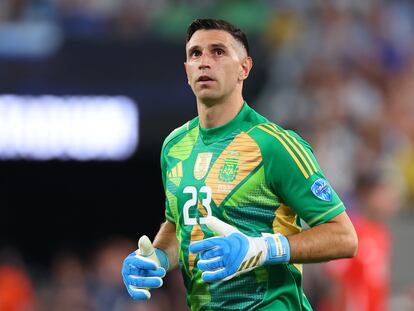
{"x": 257, "y": 177}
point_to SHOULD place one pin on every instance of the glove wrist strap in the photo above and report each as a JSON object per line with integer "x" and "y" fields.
{"x": 163, "y": 258}
{"x": 278, "y": 249}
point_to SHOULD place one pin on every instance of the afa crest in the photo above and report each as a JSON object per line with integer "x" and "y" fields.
{"x": 228, "y": 171}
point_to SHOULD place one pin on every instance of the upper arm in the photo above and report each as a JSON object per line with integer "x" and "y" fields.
{"x": 297, "y": 179}
{"x": 168, "y": 227}
{"x": 345, "y": 226}
{"x": 169, "y": 198}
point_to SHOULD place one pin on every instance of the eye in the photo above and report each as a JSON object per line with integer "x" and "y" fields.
{"x": 195, "y": 53}
{"x": 219, "y": 51}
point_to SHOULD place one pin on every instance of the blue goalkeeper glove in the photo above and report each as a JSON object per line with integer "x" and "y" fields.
{"x": 232, "y": 252}
{"x": 144, "y": 269}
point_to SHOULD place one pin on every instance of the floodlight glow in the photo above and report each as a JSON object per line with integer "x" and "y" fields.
{"x": 67, "y": 127}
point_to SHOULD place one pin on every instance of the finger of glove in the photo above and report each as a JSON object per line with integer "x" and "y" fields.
{"x": 138, "y": 293}
{"x": 214, "y": 276}
{"x": 218, "y": 226}
{"x": 140, "y": 262}
{"x": 131, "y": 270}
{"x": 146, "y": 282}
{"x": 210, "y": 265}
{"x": 206, "y": 244}
{"x": 212, "y": 253}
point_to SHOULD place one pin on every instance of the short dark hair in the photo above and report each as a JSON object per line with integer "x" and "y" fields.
{"x": 217, "y": 24}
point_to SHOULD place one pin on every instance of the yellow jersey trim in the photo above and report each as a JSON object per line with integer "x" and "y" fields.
{"x": 301, "y": 147}
{"x": 290, "y": 141}
{"x": 271, "y": 132}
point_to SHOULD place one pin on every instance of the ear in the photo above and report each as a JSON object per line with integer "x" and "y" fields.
{"x": 186, "y": 72}
{"x": 246, "y": 66}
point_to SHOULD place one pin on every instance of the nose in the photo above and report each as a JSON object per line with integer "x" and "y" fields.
{"x": 205, "y": 61}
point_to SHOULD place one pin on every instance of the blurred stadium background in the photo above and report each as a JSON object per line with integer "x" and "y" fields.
{"x": 90, "y": 88}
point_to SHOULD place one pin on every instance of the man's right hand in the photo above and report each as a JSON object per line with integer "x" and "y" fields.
{"x": 142, "y": 271}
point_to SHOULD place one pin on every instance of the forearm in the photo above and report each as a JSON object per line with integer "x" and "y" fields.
{"x": 167, "y": 241}
{"x": 332, "y": 240}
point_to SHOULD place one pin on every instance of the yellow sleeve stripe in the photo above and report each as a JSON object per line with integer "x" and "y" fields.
{"x": 304, "y": 151}
{"x": 302, "y": 169}
{"x": 290, "y": 142}
{"x": 314, "y": 220}
{"x": 293, "y": 141}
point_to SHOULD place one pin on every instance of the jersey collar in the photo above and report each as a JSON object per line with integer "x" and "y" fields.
{"x": 214, "y": 134}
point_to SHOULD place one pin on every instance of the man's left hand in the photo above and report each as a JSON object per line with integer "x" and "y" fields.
{"x": 232, "y": 252}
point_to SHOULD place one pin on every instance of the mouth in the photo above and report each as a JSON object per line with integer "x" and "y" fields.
{"x": 204, "y": 78}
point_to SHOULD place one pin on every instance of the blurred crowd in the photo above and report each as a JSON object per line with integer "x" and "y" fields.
{"x": 340, "y": 73}
{"x": 342, "y": 76}
{"x": 128, "y": 19}
{"x": 75, "y": 282}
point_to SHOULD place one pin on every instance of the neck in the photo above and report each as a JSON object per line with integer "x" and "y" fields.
{"x": 218, "y": 113}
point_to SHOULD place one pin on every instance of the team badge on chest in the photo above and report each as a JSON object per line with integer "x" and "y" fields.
{"x": 229, "y": 170}
{"x": 202, "y": 164}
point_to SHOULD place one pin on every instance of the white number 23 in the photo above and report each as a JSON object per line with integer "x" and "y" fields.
{"x": 193, "y": 202}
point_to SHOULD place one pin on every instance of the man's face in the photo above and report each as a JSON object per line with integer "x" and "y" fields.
{"x": 216, "y": 64}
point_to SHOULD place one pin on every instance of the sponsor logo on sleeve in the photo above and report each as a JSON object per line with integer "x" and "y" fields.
{"x": 322, "y": 190}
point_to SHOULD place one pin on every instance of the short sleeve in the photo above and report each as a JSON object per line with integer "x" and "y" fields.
{"x": 168, "y": 212}
{"x": 297, "y": 179}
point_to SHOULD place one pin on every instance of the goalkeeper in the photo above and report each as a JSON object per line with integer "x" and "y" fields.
{"x": 237, "y": 189}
